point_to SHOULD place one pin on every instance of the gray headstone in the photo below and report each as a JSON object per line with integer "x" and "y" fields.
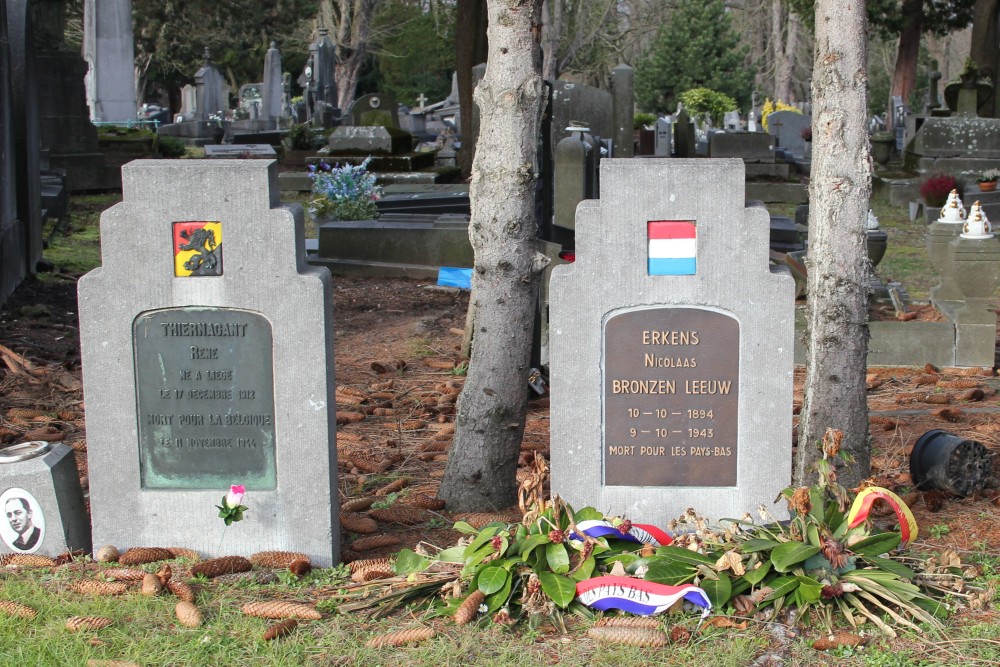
{"x": 754, "y": 147}
{"x": 684, "y": 135}
{"x": 205, "y": 368}
{"x": 787, "y": 126}
{"x": 662, "y": 146}
{"x": 272, "y": 84}
{"x": 210, "y": 85}
{"x": 375, "y": 109}
{"x": 731, "y": 121}
{"x": 373, "y": 139}
{"x": 42, "y": 501}
{"x": 577, "y": 102}
{"x": 240, "y": 151}
{"x": 189, "y": 101}
{"x": 108, "y": 49}
{"x": 671, "y": 391}
{"x": 623, "y": 104}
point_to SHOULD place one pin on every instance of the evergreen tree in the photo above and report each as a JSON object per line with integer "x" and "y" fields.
{"x": 697, "y": 48}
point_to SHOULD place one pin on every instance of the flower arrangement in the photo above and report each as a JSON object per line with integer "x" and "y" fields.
{"x": 344, "y": 192}
{"x": 935, "y": 188}
{"x": 988, "y": 176}
{"x": 806, "y": 134}
{"x": 772, "y": 106}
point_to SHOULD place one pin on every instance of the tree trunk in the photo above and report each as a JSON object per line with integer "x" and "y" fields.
{"x": 349, "y": 22}
{"x": 839, "y": 189}
{"x": 551, "y": 29}
{"x": 904, "y": 75}
{"x": 785, "y": 62}
{"x": 470, "y": 50}
{"x": 984, "y": 51}
{"x": 491, "y": 409}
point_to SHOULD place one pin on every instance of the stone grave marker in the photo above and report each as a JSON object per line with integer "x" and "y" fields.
{"x": 787, "y": 126}
{"x": 207, "y": 360}
{"x": 216, "y": 151}
{"x": 671, "y": 343}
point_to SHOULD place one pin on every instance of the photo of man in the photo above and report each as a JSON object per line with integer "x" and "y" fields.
{"x": 25, "y": 526}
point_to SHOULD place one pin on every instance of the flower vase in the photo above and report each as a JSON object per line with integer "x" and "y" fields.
{"x": 988, "y": 186}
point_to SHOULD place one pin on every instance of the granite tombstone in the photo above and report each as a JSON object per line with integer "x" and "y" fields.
{"x": 671, "y": 347}
{"x": 207, "y": 361}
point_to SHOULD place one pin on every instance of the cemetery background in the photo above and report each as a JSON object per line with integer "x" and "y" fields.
{"x": 396, "y": 371}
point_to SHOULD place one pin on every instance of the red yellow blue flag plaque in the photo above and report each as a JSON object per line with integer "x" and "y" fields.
{"x": 197, "y": 248}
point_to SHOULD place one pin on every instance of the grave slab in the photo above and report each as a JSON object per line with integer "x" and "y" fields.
{"x": 207, "y": 348}
{"x": 671, "y": 343}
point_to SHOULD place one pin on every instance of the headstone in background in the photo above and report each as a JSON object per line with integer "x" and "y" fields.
{"x": 42, "y": 501}
{"x": 374, "y": 110}
{"x": 12, "y": 258}
{"x": 731, "y": 121}
{"x": 189, "y": 101}
{"x": 207, "y": 349}
{"x": 250, "y": 96}
{"x": 787, "y": 126}
{"x": 671, "y": 348}
{"x": 271, "y": 102}
{"x": 663, "y": 145}
{"x": 577, "y": 102}
{"x": 623, "y": 108}
{"x": 209, "y": 82}
{"x": 684, "y": 135}
{"x": 108, "y": 49}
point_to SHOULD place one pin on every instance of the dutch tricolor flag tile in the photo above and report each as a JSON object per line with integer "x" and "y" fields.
{"x": 673, "y": 248}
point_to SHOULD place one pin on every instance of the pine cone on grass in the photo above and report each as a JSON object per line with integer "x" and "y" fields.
{"x": 374, "y": 542}
{"x": 11, "y": 608}
{"x": 469, "y": 609}
{"x": 276, "y": 559}
{"x": 279, "y": 609}
{"x": 643, "y": 637}
{"x": 30, "y": 560}
{"x": 95, "y": 587}
{"x": 371, "y": 573}
{"x": 353, "y": 522}
{"x": 81, "y": 623}
{"x": 281, "y": 629}
{"x": 151, "y": 585}
{"x": 647, "y": 622}
{"x": 188, "y": 614}
{"x": 357, "y": 504}
{"x": 372, "y": 563}
{"x": 424, "y": 501}
{"x": 218, "y": 566}
{"x": 401, "y": 637}
{"x": 141, "y": 555}
{"x": 181, "y": 590}
{"x": 124, "y": 574}
{"x": 258, "y": 577}
{"x": 186, "y": 554}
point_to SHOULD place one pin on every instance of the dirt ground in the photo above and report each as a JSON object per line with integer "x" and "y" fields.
{"x": 397, "y": 349}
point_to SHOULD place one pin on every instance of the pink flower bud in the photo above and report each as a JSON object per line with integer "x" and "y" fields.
{"x": 235, "y": 496}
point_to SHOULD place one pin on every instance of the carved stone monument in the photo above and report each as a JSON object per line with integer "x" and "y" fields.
{"x": 671, "y": 347}
{"x": 207, "y": 348}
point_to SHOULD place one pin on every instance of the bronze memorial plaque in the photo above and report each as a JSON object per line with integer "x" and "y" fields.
{"x": 204, "y": 381}
{"x": 671, "y": 397}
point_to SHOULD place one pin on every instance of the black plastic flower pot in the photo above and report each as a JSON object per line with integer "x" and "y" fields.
{"x": 942, "y": 460}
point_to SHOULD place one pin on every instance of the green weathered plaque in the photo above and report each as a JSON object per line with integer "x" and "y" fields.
{"x": 205, "y": 398}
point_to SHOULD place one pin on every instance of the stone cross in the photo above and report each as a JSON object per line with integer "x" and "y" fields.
{"x": 421, "y": 100}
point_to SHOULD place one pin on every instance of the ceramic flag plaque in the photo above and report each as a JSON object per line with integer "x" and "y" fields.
{"x": 673, "y": 246}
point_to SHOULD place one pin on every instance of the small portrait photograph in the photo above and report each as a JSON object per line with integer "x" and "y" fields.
{"x": 23, "y": 526}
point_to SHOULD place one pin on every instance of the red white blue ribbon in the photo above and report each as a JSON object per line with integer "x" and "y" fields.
{"x": 641, "y": 533}
{"x": 637, "y": 596}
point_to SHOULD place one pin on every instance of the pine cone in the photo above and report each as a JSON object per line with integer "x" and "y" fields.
{"x": 124, "y": 574}
{"x": 403, "y": 515}
{"x": 349, "y": 417}
{"x": 95, "y": 587}
{"x": 479, "y": 519}
{"x": 151, "y": 585}
{"x": 350, "y": 391}
{"x": 413, "y": 425}
{"x": 964, "y": 383}
{"x": 371, "y": 573}
{"x": 11, "y": 608}
{"x": 644, "y": 637}
{"x": 107, "y": 554}
{"x": 141, "y": 555}
{"x": 369, "y": 463}
{"x": 300, "y": 567}
{"x": 971, "y": 395}
{"x": 181, "y": 590}
{"x": 31, "y": 560}
{"x": 921, "y": 380}
{"x": 424, "y": 501}
{"x": 374, "y": 542}
{"x": 357, "y": 523}
{"x": 629, "y": 622}
{"x": 188, "y": 614}
{"x": 258, "y": 577}
{"x": 79, "y": 623}
{"x": 24, "y": 414}
{"x": 279, "y": 609}
{"x": 164, "y": 573}
{"x": 936, "y": 399}
{"x": 280, "y": 629}
{"x": 5, "y": 559}
{"x": 436, "y": 446}
{"x": 357, "y": 504}
{"x": 348, "y": 555}
{"x": 276, "y": 559}
{"x": 186, "y": 554}
{"x": 392, "y": 487}
{"x": 469, "y": 609}
{"x": 111, "y": 663}
{"x": 401, "y": 637}
{"x": 46, "y": 433}
{"x": 219, "y": 566}
{"x": 367, "y": 563}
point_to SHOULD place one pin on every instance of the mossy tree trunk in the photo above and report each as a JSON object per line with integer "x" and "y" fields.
{"x": 491, "y": 409}
{"x": 839, "y": 190}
